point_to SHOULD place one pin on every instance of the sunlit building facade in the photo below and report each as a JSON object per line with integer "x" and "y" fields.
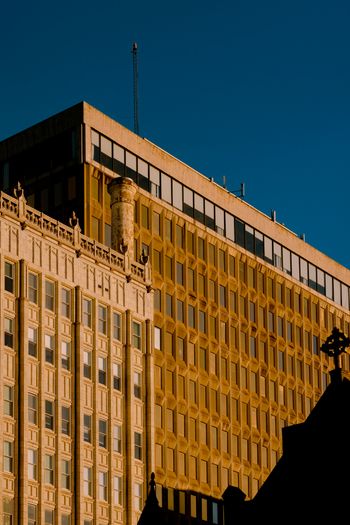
{"x": 240, "y": 306}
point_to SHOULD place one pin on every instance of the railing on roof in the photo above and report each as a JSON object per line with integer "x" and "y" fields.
{"x": 69, "y": 235}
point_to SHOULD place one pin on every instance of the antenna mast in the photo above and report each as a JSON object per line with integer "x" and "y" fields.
{"x": 136, "y": 102}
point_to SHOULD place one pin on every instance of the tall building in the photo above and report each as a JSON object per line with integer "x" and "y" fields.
{"x": 230, "y": 344}
{"x": 76, "y": 374}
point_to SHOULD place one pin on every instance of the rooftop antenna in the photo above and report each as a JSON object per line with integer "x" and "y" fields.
{"x": 136, "y": 102}
{"x": 241, "y": 191}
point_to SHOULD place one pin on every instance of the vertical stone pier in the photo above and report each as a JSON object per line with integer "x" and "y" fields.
{"x": 122, "y": 191}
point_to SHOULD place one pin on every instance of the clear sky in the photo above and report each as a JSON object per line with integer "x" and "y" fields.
{"x": 251, "y": 90}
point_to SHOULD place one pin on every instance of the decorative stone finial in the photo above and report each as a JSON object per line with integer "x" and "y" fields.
{"x": 74, "y": 221}
{"x": 18, "y": 191}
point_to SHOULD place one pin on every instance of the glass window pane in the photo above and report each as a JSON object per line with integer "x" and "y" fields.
{"x": 166, "y": 188}
{"x": 106, "y": 146}
{"x": 321, "y": 286}
{"x": 259, "y": 244}
{"x": 249, "y": 238}
{"x": 336, "y": 285}
{"x": 268, "y": 250}
{"x": 295, "y": 266}
{"x": 277, "y": 255}
{"x": 188, "y": 197}
{"x": 95, "y": 138}
{"x": 219, "y": 220}
{"x": 199, "y": 203}
{"x": 209, "y": 209}
{"x": 118, "y": 153}
{"x": 329, "y": 286}
{"x": 130, "y": 160}
{"x": 177, "y": 195}
{"x": 312, "y": 276}
{"x": 345, "y": 296}
{"x": 230, "y": 228}
{"x": 154, "y": 175}
{"x": 303, "y": 271}
{"x": 286, "y": 261}
{"x": 142, "y": 168}
{"x": 239, "y": 233}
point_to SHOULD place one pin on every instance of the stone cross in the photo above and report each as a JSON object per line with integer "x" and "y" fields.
{"x": 335, "y": 345}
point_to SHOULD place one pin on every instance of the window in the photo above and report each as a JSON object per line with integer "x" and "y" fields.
{"x": 222, "y": 292}
{"x": 33, "y": 287}
{"x": 102, "y": 319}
{"x": 49, "y": 414}
{"x": 8, "y": 332}
{"x": 102, "y": 433}
{"x": 87, "y": 312}
{"x": 117, "y": 438}
{"x": 117, "y": 490}
{"x": 179, "y": 273}
{"x": 102, "y": 367}
{"x": 32, "y": 464}
{"x": 180, "y": 310}
{"x": 65, "y": 302}
{"x": 157, "y": 338}
{"x": 117, "y": 376}
{"x": 65, "y": 355}
{"x": 137, "y": 385}
{"x": 137, "y": 445}
{"x": 33, "y": 409}
{"x": 191, "y": 316}
{"x": 169, "y": 304}
{"x": 202, "y": 321}
{"x": 136, "y": 335}
{"x": 117, "y": 326}
{"x": 138, "y": 497}
{"x": 157, "y": 300}
{"x": 87, "y": 481}
{"x": 32, "y": 341}
{"x": 65, "y": 474}
{"x": 9, "y": 277}
{"x": 192, "y": 391}
{"x": 65, "y": 421}
{"x": 252, "y": 346}
{"x": 87, "y": 364}
{"x": 8, "y": 400}
{"x": 49, "y": 462}
{"x": 32, "y": 514}
{"x": 49, "y": 348}
{"x": 65, "y": 519}
{"x": 179, "y": 229}
{"x": 49, "y": 517}
{"x": 102, "y": 486}
{"x": 156, "y": 223}
{"x": 8, "y": 456}
{"x": 50, "y": 295}
{"x": 180, "y": 348}
{"x": 87, "y": 428}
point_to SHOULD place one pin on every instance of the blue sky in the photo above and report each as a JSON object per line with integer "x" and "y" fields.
{"x": 251, "y": 90}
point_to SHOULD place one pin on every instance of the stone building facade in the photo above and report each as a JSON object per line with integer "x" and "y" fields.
{"x": 76, "y": 374}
